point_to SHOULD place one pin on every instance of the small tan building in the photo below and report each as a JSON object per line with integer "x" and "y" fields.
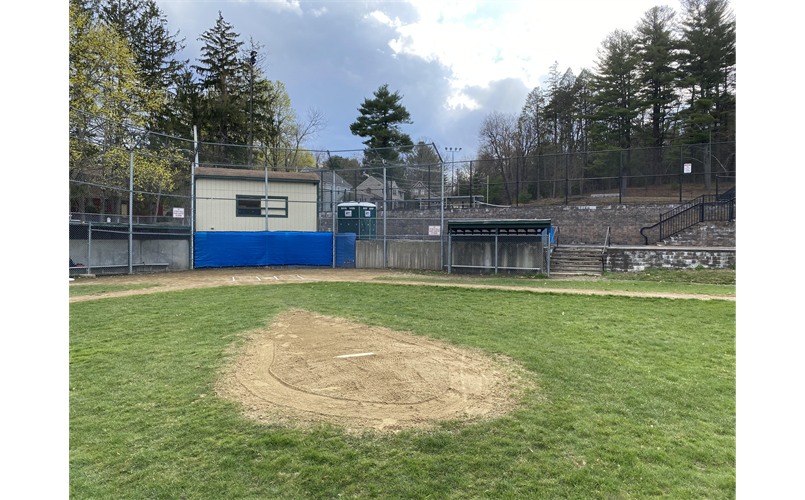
{"x": 237, "y": 200}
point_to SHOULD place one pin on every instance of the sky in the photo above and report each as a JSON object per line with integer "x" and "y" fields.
{"x": 453, "y": 62}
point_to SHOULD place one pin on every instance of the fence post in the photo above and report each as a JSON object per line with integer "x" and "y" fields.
{"x": 131, "y": 210}
{"x": 332, "y": 209}
{"x": 192, "y": 200}
{"x": 385, "y": 209}
{"x": 620, "y": 177}
{"x": 89, "y": 249}
{"x": 567, "y": 177}
{"x": 497, "y": 231}
{"x": 449, "y": 252}
{"x": 441, "y": 217}
{"x": 681, "y": 169}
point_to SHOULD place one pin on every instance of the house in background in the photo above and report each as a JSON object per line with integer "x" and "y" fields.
{"x": 427, "y": 199}
{"x": 371, "y": 190}
{"x": 333, "y": 188}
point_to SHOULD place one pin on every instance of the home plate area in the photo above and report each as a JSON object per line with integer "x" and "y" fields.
{"x": 308, "y": 368}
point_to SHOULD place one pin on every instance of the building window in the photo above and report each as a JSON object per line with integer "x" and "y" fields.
{"x": 260, "y": 206}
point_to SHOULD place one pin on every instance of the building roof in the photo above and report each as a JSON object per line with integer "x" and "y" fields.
{"x": 490, "y": 226}
{"x": 374, "y": 180}
{"x": 357, "y": 204}
{"x": 248, "y": 174}
{"x": 328, "y": 175}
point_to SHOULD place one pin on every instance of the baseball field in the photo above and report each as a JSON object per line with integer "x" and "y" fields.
{"x": 306, "y": 385}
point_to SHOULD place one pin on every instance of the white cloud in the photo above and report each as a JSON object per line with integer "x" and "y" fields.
{"x": 383, "y": 18}
{"x": 282, "y": 5}
{"x": 482, "y": 42}
{"x": 318, "y": 12}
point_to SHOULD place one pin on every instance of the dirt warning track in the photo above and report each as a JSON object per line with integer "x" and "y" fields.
{"x": 203, "y": 278}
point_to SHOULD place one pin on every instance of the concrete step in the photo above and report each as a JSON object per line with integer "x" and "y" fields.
{"x": 559, "y": 274}
{"x": 557, "y": 265}
{"x": 575, "y": 260}
{"x": 584, "y": 267}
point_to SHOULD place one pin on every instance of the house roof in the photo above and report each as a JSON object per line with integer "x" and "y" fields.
{"x": 242, "y": 173}
{"x": 374, "y": 180}
{"x": 326, "y": 175}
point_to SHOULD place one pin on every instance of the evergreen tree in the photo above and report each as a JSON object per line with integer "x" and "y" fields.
{"x": 657, "y": 49}
{"x": 616, "y": 89}
{"x": 380, "y": 122}
{"x": 707, "y": 65}
{"x": 155, "y": 49}
{"x": 223, "y": 97}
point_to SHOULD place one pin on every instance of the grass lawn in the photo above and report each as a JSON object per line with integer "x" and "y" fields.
{"x": 76, "y": 290}
{"x": 636, "y": 399}
{"x": 697, "y": 276}
{"x": 704, "y": 282}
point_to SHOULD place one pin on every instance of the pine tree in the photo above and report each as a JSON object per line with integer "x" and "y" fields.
{"x": 657, "y": 49}
{"x": 380, "y": 122}
{"x": 155, "y": 49}
{"x": 616, "y": 88}
{"x": 222, "y": 102}
{"x": 707, "y": 66}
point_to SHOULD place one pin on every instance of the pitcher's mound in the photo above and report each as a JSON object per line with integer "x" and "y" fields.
{"x": 307, "y": 367}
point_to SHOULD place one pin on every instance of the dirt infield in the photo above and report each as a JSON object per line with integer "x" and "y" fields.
{"x": 306, "y": 368}
{"x": 201, "y": 278}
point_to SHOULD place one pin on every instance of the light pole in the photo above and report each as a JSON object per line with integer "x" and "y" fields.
{"x": 453, "y": 168}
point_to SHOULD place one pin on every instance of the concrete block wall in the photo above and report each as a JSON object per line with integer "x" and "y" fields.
{"x": 175, "y": 253}
{"x": 630, "y": 259}
{"x": 400, "y": 254}
{"x": 579, "y": 225}
{"x": 707, "y": 234}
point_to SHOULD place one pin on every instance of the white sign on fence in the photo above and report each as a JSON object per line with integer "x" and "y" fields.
{"x": 688, "y": 168}
{"x": 434, "y": 230}
{"x": 178, "y": 213}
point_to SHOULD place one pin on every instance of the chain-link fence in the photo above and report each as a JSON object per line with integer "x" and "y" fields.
{"x": 638, "y": 175}
{"x": 139, "y": 198}
{"x": 499, "y": 253}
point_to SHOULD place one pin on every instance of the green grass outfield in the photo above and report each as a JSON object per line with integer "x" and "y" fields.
{"x": 635, "y": 399}
{"x": 698, "y": 282}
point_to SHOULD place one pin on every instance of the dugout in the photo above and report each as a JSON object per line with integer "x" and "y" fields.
{"x": 498, "y": 246}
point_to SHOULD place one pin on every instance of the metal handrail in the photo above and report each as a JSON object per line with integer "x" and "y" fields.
{"x": 688, "y": 214}
{"x": 604, "y": 248}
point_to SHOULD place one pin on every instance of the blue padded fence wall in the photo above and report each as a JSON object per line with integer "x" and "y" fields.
{"x": 345, "y": 249}
{"x": 272, "y": 248}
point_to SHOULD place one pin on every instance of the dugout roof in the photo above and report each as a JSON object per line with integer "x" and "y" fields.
{"x": 497, "y": 226}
